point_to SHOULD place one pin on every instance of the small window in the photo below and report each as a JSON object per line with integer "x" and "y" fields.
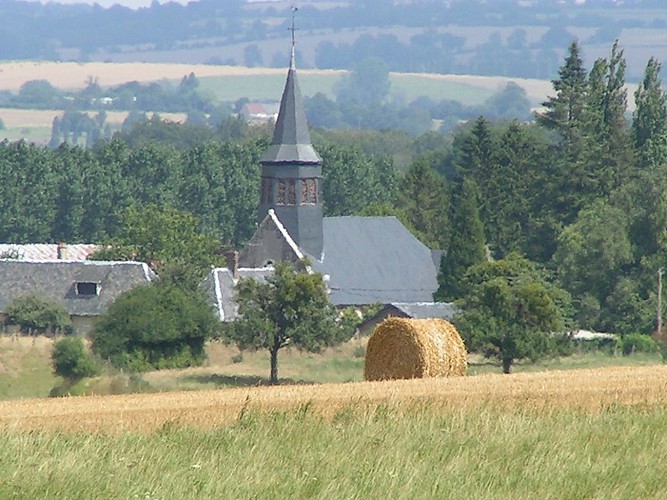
{"x": 291, "y": 192}
{"x": 281, "y": 192}
{"x": 86, "y": 288}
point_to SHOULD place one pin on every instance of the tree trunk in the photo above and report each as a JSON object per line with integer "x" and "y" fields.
{"x": 507, "y": 365}
{"x": 274, "y": 365}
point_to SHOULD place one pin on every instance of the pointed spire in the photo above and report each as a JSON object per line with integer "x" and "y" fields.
{"x": 291, "y": 137}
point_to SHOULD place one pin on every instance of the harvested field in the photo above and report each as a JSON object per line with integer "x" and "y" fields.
{"x": 539, "y": 393}
{"x": 28, "y": 118}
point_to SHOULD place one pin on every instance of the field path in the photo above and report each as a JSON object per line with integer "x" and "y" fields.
{"x": 586, "y": 390}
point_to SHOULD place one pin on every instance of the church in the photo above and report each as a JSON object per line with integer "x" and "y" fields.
{"x": 364, "y": 260}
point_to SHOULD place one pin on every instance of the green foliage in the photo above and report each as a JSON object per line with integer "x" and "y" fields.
{"x": 155, "y": 327}
{"x": 466, "y": 244}
{"x": 367, "y": 84}
{"x": 72, "y": 361}
{"x": 649, "y": 124}
{"x": 637, "y": 342}
{"x": 424, "y": 201}
{"x": 512, "y": 310}
{"x": 168, "y": 240}
{"x": 290, "y": 308}
{"x": 37, "y": 315}
{"x": 353, "y": 181}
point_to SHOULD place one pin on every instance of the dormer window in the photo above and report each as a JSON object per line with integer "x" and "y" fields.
{"x": 87, "y": 289}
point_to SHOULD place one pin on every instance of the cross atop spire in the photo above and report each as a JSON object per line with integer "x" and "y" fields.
{"x": 292, "y": 63}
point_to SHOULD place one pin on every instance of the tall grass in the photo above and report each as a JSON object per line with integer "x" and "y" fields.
{"x": 380, "y": 451}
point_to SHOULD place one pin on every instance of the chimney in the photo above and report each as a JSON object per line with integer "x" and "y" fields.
{"x": 61, "y": 251}
{"x": 233, "y": 263}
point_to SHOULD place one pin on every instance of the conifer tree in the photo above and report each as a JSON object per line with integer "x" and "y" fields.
{"x": 649, "y": 125}
{"x": 565, "y": 110}
{"x": 466, "y": 243}
{"x": 423, "y": 199}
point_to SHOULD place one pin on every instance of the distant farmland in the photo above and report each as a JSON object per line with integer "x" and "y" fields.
{"x": 230, "y": 83}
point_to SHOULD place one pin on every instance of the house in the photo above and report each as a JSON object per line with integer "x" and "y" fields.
{"x": 365, "y": 260}
{"x": 220, "y": 283}
{"x": 84, "y": 288}
{"x": 415, "y": 310}
{"x": 259, "y": 112}
{"x": 47, "y": 251}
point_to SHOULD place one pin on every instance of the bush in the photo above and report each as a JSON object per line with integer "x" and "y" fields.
{"x": 71, "y": 360}
{"x": 38, "y": 314}
{"x": 636, "y": 342}
{"x": 156, "y": 326}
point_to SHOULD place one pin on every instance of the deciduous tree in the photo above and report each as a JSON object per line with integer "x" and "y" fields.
{"x": 290, "y": 309}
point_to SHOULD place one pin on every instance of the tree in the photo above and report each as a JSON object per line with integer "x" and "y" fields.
{"x": 290, "y": 308}
{"x": 590, "y": 258}
{"x": 565, "y": 111}
{"x": 353, "y": 181}
{"x": 466, "y": 244}
{"x": 511, "y": 310}
{"x": 649, "y": 125}
{"x": 510, "y": 103}
{"x": 423, "y": 199}
{"x": 367, "y": 84}
{"x": 37, "y": 314}
{"x": 168, "y": 240}
{"x": 154, "y": 327}
{"x": 71, "y": 360}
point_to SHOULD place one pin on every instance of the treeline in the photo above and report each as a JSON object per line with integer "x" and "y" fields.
{"x": 162, "y": 97}
{"x": 581, "y": 193}
{"x": 75, "y": 194}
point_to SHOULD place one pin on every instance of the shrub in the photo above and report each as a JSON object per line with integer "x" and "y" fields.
{"x": 636, "y": 342}
{"x": 71, "y": 360}
{"x": 38, "y": 314}
{"x": 155, "y": 327}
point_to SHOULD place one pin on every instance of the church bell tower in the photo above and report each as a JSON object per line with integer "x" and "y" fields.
{"x": 292, "y": 171}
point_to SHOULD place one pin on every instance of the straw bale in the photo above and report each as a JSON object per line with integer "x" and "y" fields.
{"x": 402, "y": 348}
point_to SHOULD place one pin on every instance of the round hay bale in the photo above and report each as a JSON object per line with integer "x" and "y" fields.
{"x": 401, "y": 348}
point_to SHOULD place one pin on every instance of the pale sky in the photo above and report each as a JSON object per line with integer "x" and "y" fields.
{"x": 134, "y": 4}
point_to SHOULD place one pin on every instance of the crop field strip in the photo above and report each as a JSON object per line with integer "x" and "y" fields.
{"x": 542, "y": 393}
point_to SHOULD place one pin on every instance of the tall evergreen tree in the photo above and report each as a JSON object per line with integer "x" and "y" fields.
{"x": 466, "y": 243}
{"x": 423, "y": 199}
{"x": 649, "y": 125}
{"x": 565, "y": 111}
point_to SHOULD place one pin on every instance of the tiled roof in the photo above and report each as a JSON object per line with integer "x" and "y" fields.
{"x": 58, "y": 280}
{"x": 47, "y": 251}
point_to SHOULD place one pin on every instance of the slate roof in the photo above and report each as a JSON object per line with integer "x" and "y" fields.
{"x": 48, "y": 251}
{"x": 415, "y": 310}
{"x": 291, "y": 137}
{"x": 220, "y": 283}
{"x": 57, "y": 280}
{"x": 370, "y": 260}
{"x": 424, "y": 310}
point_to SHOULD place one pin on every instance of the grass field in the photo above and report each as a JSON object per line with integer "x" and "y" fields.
{"x": 576, "y": 433}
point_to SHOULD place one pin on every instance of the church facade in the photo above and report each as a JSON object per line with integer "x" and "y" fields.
{"x": 365, "y": 260}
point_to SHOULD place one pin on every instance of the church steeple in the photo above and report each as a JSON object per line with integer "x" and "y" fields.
{"x": 291, "y": 137}
{"x": 292, "y": 170}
